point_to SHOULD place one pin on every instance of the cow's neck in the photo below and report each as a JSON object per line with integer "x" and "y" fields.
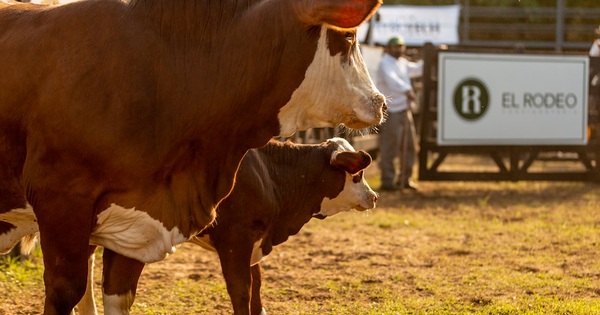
{"x": 243, "y": 42}
{"x": 298, "y": 173}
{"x": 302, "y": 170}
{"x": 210, "y": 55}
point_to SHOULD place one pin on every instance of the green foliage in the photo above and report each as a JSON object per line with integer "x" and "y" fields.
{"x": 21, "y": 280}
{"x": 18, "y": 273}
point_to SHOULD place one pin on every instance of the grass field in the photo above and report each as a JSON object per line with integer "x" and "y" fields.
{"x": 452, "y": 248}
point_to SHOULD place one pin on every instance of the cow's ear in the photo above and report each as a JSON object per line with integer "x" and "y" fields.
{"x": 350, "y": 161}
{"x": 341, "y": 13}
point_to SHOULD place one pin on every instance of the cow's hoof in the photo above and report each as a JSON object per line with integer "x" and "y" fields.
{"x": 264, "y": 312}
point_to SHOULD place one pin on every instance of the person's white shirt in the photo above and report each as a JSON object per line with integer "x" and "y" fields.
{"x": 393, "y": 80}
{"x": 595, "y": 50}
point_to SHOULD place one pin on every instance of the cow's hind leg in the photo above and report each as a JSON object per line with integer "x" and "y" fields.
{"x": 121, "y": 275}
{"x": 87, "y": 305}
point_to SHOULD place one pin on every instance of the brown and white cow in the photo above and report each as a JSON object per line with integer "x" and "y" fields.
{"x": 122, "y": 124}
{"x": 278, "y": 189}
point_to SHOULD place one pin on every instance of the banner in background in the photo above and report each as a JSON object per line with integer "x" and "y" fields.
{"x": 417, "y": 24}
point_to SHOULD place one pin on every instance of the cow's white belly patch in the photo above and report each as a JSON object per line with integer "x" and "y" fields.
{"x": 25, "y": 223}
{"x": 135, "y": 234}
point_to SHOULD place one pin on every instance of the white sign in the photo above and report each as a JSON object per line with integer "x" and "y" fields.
{"x": 498, "y": 99}
{"x": 417, "y": 24}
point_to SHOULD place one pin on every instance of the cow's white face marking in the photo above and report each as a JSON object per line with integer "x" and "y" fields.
{"x": 7, "y": 3}
{"x": 135, "y": 234}
{"x": 25, "y": 223}
{"x": 357, "y": 196}
{"x": 332, "y": 92}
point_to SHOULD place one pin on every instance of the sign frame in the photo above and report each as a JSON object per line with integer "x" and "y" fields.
{"x": 514, "y": 99}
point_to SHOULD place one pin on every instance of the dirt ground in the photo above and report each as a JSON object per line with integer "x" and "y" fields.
{"x": 452, "y": 248}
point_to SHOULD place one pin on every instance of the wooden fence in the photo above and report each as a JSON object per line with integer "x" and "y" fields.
{"x": 559, "y": 28}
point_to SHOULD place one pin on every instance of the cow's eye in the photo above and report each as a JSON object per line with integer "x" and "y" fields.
{"x": 349, "y": 36}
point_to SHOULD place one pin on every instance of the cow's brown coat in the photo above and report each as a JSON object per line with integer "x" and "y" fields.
{"x": 149, "y": 104}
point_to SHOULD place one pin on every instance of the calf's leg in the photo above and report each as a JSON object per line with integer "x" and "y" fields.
{"x": 235, "y": 254}
{"x": 256, "y": 307}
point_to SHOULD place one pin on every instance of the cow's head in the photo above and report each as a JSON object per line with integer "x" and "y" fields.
{"x": 337, "y": 88}
{"x": 356, "y": 193}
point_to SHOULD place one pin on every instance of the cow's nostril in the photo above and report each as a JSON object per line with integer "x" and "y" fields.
{"x": 379, "y": 99}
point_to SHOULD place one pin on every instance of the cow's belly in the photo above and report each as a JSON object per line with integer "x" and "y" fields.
{"x": 128, "y": 232}
{"x": 135, "y": 234}
{"x": 206, "y": 243}
{"x": 15, "y": 224}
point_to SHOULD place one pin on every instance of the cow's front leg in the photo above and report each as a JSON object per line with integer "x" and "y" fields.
{"x": 121, "y": 275}
{"x": 256, "y": 303}
{"x": 65, "y": 230}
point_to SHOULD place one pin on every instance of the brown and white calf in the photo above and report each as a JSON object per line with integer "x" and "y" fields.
{"x": 122, "y": 123}
{"x": 278, "y": 189}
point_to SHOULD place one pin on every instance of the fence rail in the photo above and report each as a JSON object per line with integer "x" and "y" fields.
{"x": 558, "y": 28}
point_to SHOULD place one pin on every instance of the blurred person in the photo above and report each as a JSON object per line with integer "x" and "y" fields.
{"x": 595, "y": 49}
{"x": 397, "y": 135}
{"x": 594, "y": 98}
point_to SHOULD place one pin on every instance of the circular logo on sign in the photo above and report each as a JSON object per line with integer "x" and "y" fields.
{"x": 471, "y": 99}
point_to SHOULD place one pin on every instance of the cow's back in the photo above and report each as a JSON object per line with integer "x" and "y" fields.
{"x": 62, "y": 74}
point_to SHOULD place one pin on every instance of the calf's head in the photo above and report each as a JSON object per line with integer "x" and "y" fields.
{"x": 337, "y": 88}
{"x": 356, "y": 193}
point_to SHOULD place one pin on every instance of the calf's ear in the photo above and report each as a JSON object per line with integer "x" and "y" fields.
{"x": 351, "y": 161}
{"x": 340, "y": 13}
